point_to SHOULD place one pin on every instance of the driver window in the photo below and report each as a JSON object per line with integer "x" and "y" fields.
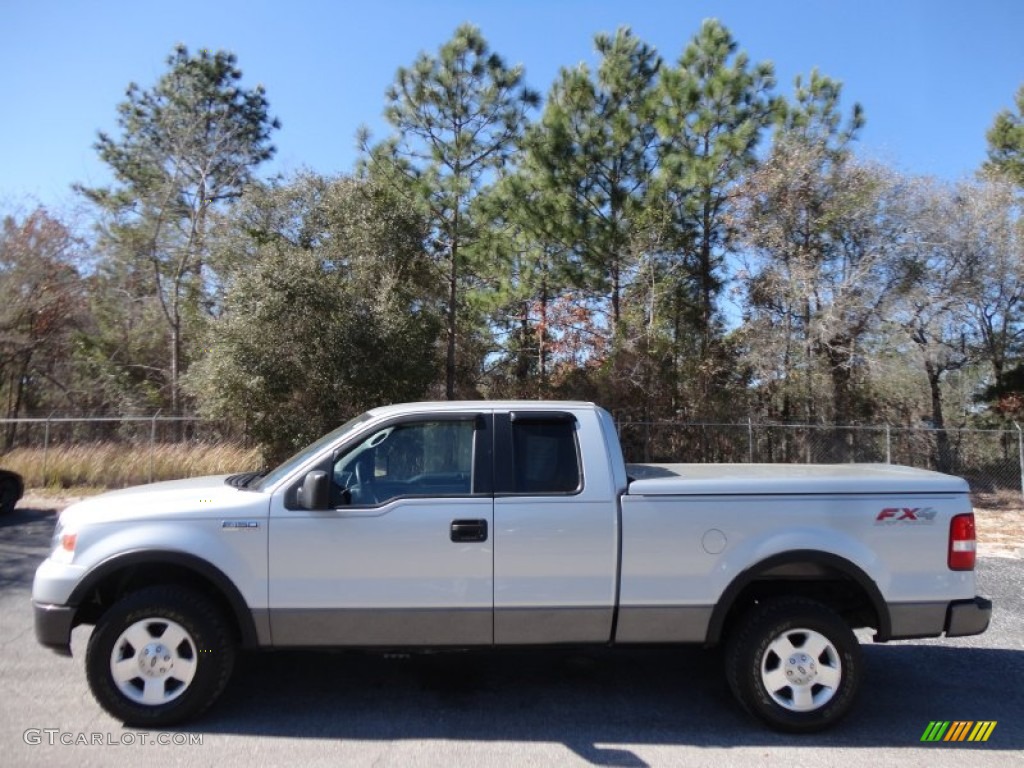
{"x": 428, "y": 458}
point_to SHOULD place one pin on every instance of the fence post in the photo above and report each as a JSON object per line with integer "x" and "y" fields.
{"x": 1020, "y": 455}
{"x": 750, "y": 440}
{"x": 152, "y": 444}
{"x": 46, "y": 447}
{"x": 888, "y": 444}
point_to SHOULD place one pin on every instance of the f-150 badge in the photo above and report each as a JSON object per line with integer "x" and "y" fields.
{"x": 239, "y": 525}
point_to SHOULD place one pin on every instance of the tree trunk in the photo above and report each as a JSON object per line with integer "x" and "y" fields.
{"x": 998, "y": 366}
{"x": 842, "y": 385}
{"x": 10, "y": 431}
{"x": 707, "y": 287}
{"x": 943, "y": 456}
{"x": 787, "y": 407}
{"x": 677, "y": 342}
{"x": 616, "y": 289}
{"x": 542, "y": 336}
{"x": 175, "y": 366}
{"x": 810, "y": 407}
{"x": 14, "y": 408}
{"x": 449, "y": 366}
{"x": 523, "y": 353}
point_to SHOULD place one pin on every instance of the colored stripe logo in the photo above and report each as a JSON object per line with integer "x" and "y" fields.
{"x": 958, "y": 730}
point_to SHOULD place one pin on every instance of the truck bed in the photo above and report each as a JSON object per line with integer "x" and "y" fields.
{"x": 802, "y": 479}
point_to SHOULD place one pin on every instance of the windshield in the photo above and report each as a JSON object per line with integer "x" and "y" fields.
{"x": 288, "y": 466}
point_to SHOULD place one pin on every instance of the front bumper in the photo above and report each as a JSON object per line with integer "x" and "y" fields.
{"x": 968, "y": 617}
{"x": 53, "y": 626}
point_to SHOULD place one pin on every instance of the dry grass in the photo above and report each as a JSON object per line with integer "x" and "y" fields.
{"x": 1000, "y": 531}
{"x": 999, "y": 517}
{"x": 116, "y": 465}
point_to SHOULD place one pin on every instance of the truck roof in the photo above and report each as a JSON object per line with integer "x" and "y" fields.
{"x": 448, "y": 406}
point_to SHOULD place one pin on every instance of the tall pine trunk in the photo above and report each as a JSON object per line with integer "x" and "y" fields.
{"x": 451, "y": 320}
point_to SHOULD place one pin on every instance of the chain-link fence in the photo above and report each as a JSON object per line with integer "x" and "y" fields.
{"x": 990, "y": 460}
{"x": 140, "y": 438}
{"x": 43, "y": 432}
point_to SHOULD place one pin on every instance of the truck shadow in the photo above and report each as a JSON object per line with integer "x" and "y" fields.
{"x": 597, "y": 702}
{"x": 24, "y": 543}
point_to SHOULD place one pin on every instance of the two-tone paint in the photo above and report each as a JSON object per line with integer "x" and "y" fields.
{"x": 644, "y": 554}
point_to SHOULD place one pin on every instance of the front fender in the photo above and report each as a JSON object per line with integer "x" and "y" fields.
{"x": 242, "y": 612}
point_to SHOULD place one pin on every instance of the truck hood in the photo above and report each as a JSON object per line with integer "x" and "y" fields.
{"x": 716, "y": 479}
{"x": 196, "y": 497}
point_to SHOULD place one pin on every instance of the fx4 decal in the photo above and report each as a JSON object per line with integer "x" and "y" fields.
{"x": 891, "y": 515}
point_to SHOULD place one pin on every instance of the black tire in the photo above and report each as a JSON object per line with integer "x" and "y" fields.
{"x": 751, "y": 658}
{"x": 208, "y": 650}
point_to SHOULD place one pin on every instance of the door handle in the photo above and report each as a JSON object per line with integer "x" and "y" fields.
{"x": 469, "y": 530}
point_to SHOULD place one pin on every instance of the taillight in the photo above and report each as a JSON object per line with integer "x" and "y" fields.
{"x": 962, "y": 543}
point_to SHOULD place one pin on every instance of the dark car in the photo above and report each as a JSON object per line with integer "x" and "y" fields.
{"x": 11, "y": 489}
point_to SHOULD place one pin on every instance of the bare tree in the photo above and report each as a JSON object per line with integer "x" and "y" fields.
{"x": 987, "y": 221}
{"x": 41, "y": 295}
{"x": 933, "y": 312}
{"x": 825, "y": 268}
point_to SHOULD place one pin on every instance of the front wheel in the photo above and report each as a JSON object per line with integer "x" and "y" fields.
{"x": 159, "y": 656}
{"x": 795, "y": 664}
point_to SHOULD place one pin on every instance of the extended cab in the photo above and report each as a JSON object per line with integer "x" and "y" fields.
{"x": 476, "y": 524}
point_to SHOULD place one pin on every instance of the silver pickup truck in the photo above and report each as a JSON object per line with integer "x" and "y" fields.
{"x": 478, "y": 524}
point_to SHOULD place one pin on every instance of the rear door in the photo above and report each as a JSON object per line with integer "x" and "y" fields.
{"x": 556, "y": 531}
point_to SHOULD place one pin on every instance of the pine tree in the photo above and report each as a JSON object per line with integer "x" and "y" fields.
{"x": 186, "y": 146}
{"x": 1006, "y": 143}
{"x": 713, "y": 109}
{"x": 595, "y": 151}
{"x": 458, "y": 117}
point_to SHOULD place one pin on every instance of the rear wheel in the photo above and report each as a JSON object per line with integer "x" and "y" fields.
{"x": 795, "y": 664}
{"x": 159, "y": 656}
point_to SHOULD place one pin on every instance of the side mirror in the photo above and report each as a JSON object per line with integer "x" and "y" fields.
{"x": 314, "y": 493}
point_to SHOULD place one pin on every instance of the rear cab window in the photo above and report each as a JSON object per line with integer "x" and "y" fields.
{"x": 544, "y": 455}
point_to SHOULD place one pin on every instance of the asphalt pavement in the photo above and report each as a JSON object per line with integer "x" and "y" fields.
{"x": 603, "y": 707}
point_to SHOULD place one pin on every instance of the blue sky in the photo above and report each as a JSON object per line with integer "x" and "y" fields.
{"x": 930, "y": 75}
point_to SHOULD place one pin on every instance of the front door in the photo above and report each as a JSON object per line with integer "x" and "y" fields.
{"x": 404, "y": 556}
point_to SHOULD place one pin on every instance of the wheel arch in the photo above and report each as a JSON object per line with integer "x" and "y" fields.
{"x": 798, "y": 572}
{"x": 128, "y": 571}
